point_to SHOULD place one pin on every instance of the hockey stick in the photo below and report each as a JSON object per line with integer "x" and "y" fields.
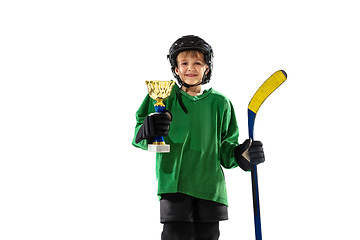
{"x": 269, "y": 86}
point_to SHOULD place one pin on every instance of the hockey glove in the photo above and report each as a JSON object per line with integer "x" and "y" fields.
{"x": 249, "y": 150}
{"x": 156, "y": 124}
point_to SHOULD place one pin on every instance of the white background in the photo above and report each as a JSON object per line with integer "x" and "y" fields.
{"x": 72, "y": 77}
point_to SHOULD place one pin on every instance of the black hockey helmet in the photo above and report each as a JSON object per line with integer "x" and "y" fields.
{"x": 191, "y": 42}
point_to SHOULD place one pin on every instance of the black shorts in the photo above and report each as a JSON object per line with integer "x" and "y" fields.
{"x": 178, "y": 207}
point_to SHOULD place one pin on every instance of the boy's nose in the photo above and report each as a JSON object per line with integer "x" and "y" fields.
{"x": 190, "y": 68}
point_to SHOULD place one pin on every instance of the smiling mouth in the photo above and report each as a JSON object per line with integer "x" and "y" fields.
{"x": 191, "y": 75}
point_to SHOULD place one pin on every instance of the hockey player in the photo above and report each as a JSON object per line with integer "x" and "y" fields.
{"x": 200, "y": 126}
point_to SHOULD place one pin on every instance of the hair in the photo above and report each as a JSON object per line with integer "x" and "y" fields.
{"x": 193, "y": 53}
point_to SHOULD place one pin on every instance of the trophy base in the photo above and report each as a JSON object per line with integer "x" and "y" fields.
{"x": 159, "y": 148}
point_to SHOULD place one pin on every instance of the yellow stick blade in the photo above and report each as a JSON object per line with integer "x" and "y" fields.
{"x": 270, "y": 85}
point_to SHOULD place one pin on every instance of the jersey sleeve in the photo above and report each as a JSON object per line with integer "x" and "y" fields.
{"x": 229, "y": 138}
{"x": 144, "y": 110}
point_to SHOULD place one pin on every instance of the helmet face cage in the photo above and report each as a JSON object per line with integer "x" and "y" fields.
{"x": 191, "y": 42}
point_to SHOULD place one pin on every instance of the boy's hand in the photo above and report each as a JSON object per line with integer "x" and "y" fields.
{"x": 249, "y": 150}
{"x": 256, "y": 152}
{"x": 156, "y": 124}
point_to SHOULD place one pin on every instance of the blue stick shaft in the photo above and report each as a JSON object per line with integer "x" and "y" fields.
{"x": 254, "y": 181}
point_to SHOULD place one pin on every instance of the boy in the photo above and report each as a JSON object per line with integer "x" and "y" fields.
{"x": 203, "y": 137}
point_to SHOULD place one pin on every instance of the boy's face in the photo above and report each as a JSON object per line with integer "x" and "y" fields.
{"x": 191, "y": 67}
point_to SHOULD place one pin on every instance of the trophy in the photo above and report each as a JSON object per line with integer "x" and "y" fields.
{"x": 159, "y": 91}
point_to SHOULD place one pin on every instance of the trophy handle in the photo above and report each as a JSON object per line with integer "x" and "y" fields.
{"x": 159, "y": 140}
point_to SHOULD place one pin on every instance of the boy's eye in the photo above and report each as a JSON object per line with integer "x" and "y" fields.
{"x": 184, "y": 63}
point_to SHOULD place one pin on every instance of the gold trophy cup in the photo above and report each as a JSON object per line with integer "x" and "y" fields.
{"x": 159, "y": 91}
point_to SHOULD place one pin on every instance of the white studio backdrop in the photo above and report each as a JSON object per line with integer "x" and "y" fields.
{"x": 72, "y": 77}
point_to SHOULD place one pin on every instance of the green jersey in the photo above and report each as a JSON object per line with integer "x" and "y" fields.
{"x": 200, "y": 143}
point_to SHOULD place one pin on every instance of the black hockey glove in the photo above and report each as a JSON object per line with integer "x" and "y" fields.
{"x": 249, "y": 150}
{"x": 156, "y": 124}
